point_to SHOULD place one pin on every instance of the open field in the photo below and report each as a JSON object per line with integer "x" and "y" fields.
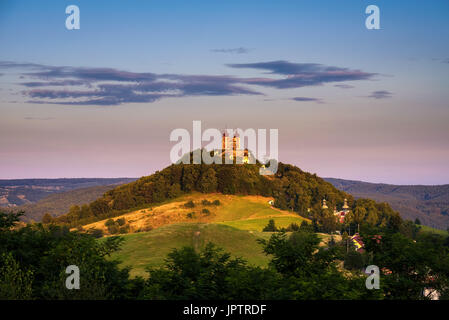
{"x": 149, "y": 249}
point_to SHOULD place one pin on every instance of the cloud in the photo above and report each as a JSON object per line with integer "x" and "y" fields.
{"x": 239, "y": 50}
{"x": 306, "y": 99}
{"x": 297, "y": 75}
{"x": 381, "y": 94}
{"x": 55, "y": 83}
{"x": 39, "y": 118}
{"x": 344, "y": 86}
{"x": 107, "y": 86}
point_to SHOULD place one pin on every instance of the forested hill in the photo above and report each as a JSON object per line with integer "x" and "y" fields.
{"x": 430, "y": 204}
{"x": 19, "y": 192}
{"x": 291, "y": 188}
{"x": 58, "y": 203}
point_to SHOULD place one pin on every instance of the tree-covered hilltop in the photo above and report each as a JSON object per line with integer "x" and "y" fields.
{"x": 292, "y": 189}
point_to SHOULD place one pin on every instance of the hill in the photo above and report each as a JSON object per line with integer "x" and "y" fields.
{"x": 234, "y": 224}
{"x": 430, "y": 204}
{"x": 291, "y": 188}
{"x": 57, "y": 203}
{"x": 19, "y": 192}
{"x": 250, "y": 213}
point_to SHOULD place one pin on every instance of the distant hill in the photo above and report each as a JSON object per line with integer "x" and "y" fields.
{"x": 430, "y": 204}
{"x": 59, "y": 203}
{"x": 19, "y": 192}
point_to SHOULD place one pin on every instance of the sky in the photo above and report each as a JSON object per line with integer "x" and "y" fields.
{"x": 348, "y": 102}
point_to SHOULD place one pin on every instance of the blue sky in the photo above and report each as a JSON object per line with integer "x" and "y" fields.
{"x": 386, "y": 124}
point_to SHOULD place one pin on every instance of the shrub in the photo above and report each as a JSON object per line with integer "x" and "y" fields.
{"x": 205, "y": 211}
{"x": 292, "y": 227}
{"x": 113, "y": 229}
{"x": 96, "y": 233}
{"x": 124, "y": 229}
{"x": 190, "y": 215}
{"x": 121, "y": 221}
{"x": 206, "y": 202}
{"x": 109, "y": 223}
{"x": 306, "y": 227}
{"x": 216, "y": 202}
{"x": 354, "y": 261}
{"x": 189, "y": 204}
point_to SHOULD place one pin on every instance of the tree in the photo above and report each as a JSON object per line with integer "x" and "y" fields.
{"x": 9, "y": 219}
{"x": 354, "y": 260}
{"x": 208, "y": 181}
{"x": 417, "y": 221}
{"x": 47, "y": 218}
{"x": 15, "y": 283}
{"x": 309, "y": 271}
{"x": 270, "y": 227}
{"x": 33, "y": 260}
{"x": 209, "y": 274}
{"x": 305, "y": 226}
{"x": 372, "y": 218}
{"x": 359, "y": 215}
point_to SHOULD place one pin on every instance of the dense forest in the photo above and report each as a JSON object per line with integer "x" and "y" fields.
{"x": 292, "y": 189}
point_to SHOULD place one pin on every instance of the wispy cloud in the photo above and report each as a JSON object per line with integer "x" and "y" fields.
{"x": 302, "y": 74}
{"x": 381, "y": 94}
{"x": 108, "y": 86}
{"x": 39, "y": 118}
{"x": 239, "y": 50}
{"x": 344, "y": 86}
{"x": 306, "y": 99}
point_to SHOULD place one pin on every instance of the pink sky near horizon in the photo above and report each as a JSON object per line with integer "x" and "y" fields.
{"x": 372, "y": 140}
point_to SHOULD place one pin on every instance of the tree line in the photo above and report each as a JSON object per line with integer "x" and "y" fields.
{"x": 33, "y": 260}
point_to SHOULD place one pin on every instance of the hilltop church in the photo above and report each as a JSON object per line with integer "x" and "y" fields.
{"x": 230, "y": 149}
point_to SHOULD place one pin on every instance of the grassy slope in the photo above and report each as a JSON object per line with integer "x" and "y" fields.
{"x": 235, "y": 225}
{"x": 241, "y": 212}
{"x": 443, "y": 233}
{"x": 149, "y": 249}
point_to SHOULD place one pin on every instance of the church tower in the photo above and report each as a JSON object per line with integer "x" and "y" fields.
{"x": 324, "y": 204}
{"x": 345, "y": 206}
